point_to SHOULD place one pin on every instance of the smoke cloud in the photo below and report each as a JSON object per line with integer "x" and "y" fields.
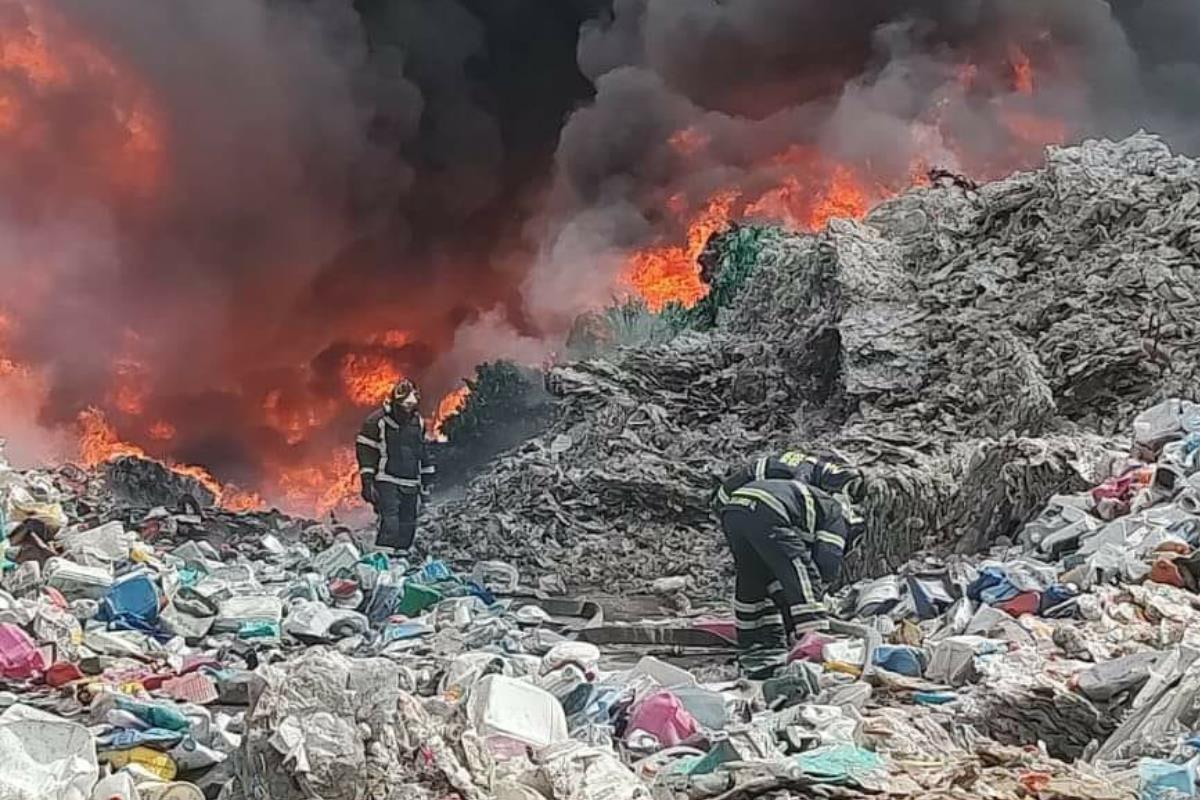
{"x": 207, "y": 208}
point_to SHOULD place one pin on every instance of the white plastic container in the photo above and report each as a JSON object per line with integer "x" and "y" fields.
{"x": 506, "y": 710}
{"x": 665, "y": 675}
{"x": 246, "y": 609}
{"x": 76, "y": 581}
{"x": 108, "y": 542}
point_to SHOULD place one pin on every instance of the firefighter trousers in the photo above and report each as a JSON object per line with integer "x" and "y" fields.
{"x": 778, "y": 593}
{"x": 397, "y": 508}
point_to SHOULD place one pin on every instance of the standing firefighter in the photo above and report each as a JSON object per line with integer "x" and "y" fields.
{"x": 789, "y": 534}
{"x": 394, "y": 465}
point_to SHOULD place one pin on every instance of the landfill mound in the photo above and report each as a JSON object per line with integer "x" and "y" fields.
{"x": 976, "y": 349}
{"x": 190, "y": 653}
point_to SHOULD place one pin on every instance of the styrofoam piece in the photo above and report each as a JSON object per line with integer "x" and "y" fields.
{"x": 514, "y": 710}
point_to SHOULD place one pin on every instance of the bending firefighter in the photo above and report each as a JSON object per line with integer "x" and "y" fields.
{"x": 394, "y": 465}
{"x": 789, "y": 521}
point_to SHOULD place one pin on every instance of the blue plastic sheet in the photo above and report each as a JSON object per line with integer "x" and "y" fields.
{"x": 900, "y": 659}
{"x": 132, "y": 603}
{"x": 1162, "y": 780}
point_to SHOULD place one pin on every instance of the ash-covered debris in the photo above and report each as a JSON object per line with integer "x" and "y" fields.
{"x": 975, "y": 348}
{"x": 146, "y": 483}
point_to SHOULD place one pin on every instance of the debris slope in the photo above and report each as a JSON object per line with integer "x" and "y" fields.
{"x": 977, "y": 349}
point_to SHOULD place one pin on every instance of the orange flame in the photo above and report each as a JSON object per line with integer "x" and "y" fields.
{"x": 663, "y": 275}
{"x": 99, "y": 443}
{"x": 98, "y": 440}
{"x": 368, "y": 378}
{"x": 48, "y": 56}
{"x": 322, "y": 487}
{"x": 450, "y": 405}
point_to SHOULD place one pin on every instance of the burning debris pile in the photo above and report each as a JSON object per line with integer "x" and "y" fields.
{"x": 975, "y": 348}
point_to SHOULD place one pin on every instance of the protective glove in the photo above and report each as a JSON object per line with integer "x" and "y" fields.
{"x": 369, "y": 495}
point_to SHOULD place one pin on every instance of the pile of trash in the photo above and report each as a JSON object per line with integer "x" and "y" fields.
{"x": 977, "y": 349}
{"x": 162, "y": 654}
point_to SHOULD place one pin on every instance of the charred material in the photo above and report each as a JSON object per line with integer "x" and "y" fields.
{"x": 956, "y": 339}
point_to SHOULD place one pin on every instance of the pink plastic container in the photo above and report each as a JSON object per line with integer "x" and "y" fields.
{"x": 811, "y": 647}
{"x": 664, "y": 717}
{"x": 20, "y": 657}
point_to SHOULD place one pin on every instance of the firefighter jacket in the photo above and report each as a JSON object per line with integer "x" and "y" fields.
{"x": 804, "y": 511}
{"x": 829, "y": 476}
{"x": 391, "y": 449}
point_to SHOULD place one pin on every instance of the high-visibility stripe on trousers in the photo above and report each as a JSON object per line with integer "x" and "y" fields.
{"x": 778, "y": 594}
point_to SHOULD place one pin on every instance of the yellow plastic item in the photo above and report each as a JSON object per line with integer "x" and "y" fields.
{"x": 154, "y": 761}
{"x": 846, "y": 669}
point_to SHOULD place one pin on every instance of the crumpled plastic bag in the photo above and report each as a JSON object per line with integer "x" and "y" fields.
{"x": 579, "y": 772}
{"x": 45, "y": 756}
{"x": 23, "y": 505}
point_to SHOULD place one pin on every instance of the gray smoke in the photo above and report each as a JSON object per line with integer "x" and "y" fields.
{"x": 875, "y": 84}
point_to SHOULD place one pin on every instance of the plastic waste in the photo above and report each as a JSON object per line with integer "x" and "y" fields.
{"x": 108, "y": 542}
{"x": 845, "y": 651}
{"x": 194, "y": 687}
{"x": 77, "y": 581}
{"x": 662, "y": 716}
{"x": 173, "y": 790}
{"x": 338, "y": 558}
{"x": 1168, "y": 420}
{"x": 662, "y": 673}
{"x": 190, "y": 627}
{"x": 579, "y": 772}
{"x": 908, "y": 661}
{"x": 132, "y": 601}
{"x": 237, "y": 612}
{"x": 1163, "y": 780}
{"x": 503, "y": 708}
{"x": 20, "y": 657}
{"x": 118, "y": 786}
{"x": 953, "y": 659}
{"x": 156, "y": 715}
{"x": 417, "y": 598}
{"x": 497, "y": 577}
{"x": 385, "y": 596}
{"x": 581, "y": 654}
{"x": 1102, "y": 682}
{"x": 307, "y": 619}
{"x": 22, "y": 505}
{"x": 159, "y": 764}
{"x": 45, "y": 756}
{"x": 25, "y": 579}
{"x": 811, "y": 647}
{"x": 706, "y": 706}
{"x": 839, "y": 764}
{"x": 434, "y": 572}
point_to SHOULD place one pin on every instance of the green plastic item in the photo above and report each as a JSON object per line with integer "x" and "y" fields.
{"x": 156, "y": 715}
{"x": 839, "y": 764}
{"x": 259, "y": 630}
{"x": 417, "y": 598}
{"x": 376, "y": 561}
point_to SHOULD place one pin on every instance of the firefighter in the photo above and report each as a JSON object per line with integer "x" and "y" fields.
{"x": 788, "y": 540}
{"x": 827, "y": 474}
{"x": 394, "y": 465}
